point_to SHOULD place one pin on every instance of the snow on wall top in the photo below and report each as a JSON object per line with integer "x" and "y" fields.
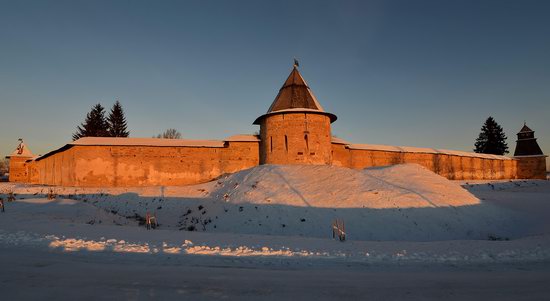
{"x": 243, "y": 138}
{"x": 158, "y": 142}
{"x": 337, "y": 140}
{"x": 124, "y": 141}
{"x": 410, "y": 149}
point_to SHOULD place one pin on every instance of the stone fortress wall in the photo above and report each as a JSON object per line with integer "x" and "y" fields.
{"x": 140, "y": 165}
{"x": 123, "y": 166}
{"x": 19, "y": 169}
{"x": 295, "y": 138}
{"x": 295, "y": 130}
{"x": 451, "y": 166}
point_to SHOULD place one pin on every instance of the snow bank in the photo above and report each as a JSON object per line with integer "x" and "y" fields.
{"x": 402, "y": 202}
{"x": 106, "y": 220}
{"x": 398, "y": 186}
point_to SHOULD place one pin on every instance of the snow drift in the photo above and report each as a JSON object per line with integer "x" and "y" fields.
{"x": 399, "y": 186}
{"x": 401, "y": 202}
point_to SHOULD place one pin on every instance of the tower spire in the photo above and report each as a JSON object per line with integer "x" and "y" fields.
{"x": 21, "y": 151}
{"x": 295, "y": 95}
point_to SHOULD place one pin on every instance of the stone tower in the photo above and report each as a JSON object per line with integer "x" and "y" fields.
{"x": 531, "y": 160}
{"x": 18, "y": 159}
{"x": 295, "y": 129}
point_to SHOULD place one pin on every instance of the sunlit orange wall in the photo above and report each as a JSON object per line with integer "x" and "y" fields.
{"x": 18, "y": 169}
{"x": 113, "y": 166}
{"x": 450, "y": 166}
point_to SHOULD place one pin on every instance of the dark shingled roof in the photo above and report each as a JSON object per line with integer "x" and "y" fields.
{"x": 295, "y": 93}
{"x": 527, "y": 148}
{"x": 525, "y": 129}
{"x": 527, "y": 145}
{"x": 295, "y": 96}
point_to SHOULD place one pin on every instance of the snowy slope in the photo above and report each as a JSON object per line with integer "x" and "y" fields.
{"x": 399, "y": 186}
{"x": 272, "y": 219}
{"x": 402, "y": 202}
{"x": 51, "y": 248}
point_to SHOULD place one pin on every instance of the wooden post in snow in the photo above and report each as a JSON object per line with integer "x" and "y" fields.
{"x": 339, "y": 229}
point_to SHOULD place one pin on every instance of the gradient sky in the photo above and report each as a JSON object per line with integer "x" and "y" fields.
{"x": 417, "y": 73}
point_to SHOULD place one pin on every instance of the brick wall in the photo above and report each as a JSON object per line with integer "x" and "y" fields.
{"x": 112, "y": 166}
{"x": 18, "y": 169}
{"x": 453, "y": 167}
{"x": 295, "y": 138}
{"x": 531, "y": 167}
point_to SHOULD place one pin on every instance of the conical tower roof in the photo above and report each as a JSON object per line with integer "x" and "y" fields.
{"x": 21, "y": 151}
{"x": 295, "y": 96}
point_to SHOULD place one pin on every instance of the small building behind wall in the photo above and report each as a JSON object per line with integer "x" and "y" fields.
{"x": 18, "y": 163}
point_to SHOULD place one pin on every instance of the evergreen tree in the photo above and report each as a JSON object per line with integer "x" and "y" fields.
{"x": 117, "y": 121}
{"x": 492, "y": 139}
{"x": 95, "y": 124}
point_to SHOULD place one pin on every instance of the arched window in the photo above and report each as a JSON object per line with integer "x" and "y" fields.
{"x": 307, "y": 142}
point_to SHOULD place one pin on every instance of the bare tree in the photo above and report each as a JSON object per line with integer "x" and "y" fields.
{"x": 169, "y": 134}
{"x": 4, "y": 167}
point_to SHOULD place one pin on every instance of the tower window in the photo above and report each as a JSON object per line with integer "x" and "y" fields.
{"x": 286, "y": 143}
{"x": 307, "y": 142}
{"x": 270, "y": 144}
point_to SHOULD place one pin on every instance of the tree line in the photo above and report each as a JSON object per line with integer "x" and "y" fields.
{"x": 491, "y": 140}
{"x": 96, "y": 124}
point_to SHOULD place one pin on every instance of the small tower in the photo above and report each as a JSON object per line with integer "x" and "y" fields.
{"x": 18, "y": 159}
{"x": 295, "y": 129}
{"x": 531, "y": 160}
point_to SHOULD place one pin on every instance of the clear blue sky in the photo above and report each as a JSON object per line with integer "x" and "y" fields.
{"x": 418, "y": 73}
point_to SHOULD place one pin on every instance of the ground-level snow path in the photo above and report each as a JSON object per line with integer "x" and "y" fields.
{"x": 38, "y": 275}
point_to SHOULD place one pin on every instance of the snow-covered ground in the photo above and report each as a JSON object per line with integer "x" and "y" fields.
{"x": 402, "y": 222}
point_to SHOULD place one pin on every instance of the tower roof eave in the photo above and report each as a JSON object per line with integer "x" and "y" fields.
{"x": 296, "y": 110}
